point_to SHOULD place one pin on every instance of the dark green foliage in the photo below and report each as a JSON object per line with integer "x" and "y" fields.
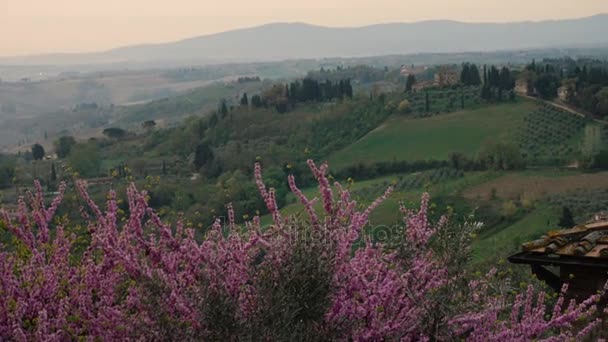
{"x": 485, "y": 74}
{"x": 7, "y": 170}
{"x": 162, "y": 195}
{"x": 247, "y": 79}
{"x": 53, "y": 173}
{"x": 502, "y": 156}
{"x": 64, "y": 145}
{"x": 411, "y": 80}
{"x": 284, "y": 98}
{"x": 546, "y": 85}
{"x": 364, "y": 74}
{"x": 474, "y": 78}
{"x": 148, "y": 124}
{"x": 587, "y": 99}
{"x": 312, "y": 90}
{"x": 202, "y": 155}
{"x": 223, "y": 109}
{"x": 37, "y": 152}
{"x": 277, "y": 98}
{"x": 567, "y": 220}
{"x": 85, "y": 159}
{"x": 213, "y": 120}
{"x": 114, "y": 133}
{"x": 294, "y": 302}
{"x": 244, "y": 100}
{"x": 496, "y": 83}
{"x": 602, "y": 102}
{"x": 600, "y": 160}
{"x": 275, "y": 177}
{"x": 469, "y": 75}
{"x": 460, "y": 161}
{"x": 506, "y": 80}
{"x": 256, "y": 101}
{"x": 584, "y": 78}
{"x": 462, "y": 101}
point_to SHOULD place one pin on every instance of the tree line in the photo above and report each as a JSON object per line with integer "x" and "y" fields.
{"x": 585, "y": 82}
{"x": 497, "y": 83}
{"x": 284, "y": 97}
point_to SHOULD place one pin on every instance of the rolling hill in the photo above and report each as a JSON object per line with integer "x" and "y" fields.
{"x": 403, "y": 138}
{"x": 297, "y": 40}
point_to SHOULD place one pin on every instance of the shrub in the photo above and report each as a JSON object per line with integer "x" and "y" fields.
{"x": 404, "y": 107}
{"x": 317, "y": 279}
{"x": 509, "y": 209}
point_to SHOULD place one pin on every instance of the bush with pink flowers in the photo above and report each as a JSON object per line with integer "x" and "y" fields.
{"x": 318, "y": 278}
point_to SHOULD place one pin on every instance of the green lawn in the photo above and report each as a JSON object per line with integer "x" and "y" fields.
{"x": 436, "y": 137}
{"x": 507, "y": 241}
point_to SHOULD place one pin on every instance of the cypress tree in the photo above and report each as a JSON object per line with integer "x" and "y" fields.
{"x": 474, "y": 75}
{"x": 567, "y": 220}
{"x": 411, "y": 80}
{"x": 37, "y": 152}
{"x": 461, "y": 100}
{"x": 465, "y": 77}
{"x": 223, "y": 109}
{"x": 349, "y": 89}
{"x": 53, "y": 173}
{"x": 244, "y": 100}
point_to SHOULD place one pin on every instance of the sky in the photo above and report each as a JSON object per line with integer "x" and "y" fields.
{"x": 65, "y": 26}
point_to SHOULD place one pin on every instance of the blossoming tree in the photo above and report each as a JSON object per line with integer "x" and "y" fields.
{"x": 318, "y": 278}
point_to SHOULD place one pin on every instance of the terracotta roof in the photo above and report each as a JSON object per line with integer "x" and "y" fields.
{"x": 585, "y": 241}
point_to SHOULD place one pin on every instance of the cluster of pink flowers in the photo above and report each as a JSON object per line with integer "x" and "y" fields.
{"x": 140, "y": 277}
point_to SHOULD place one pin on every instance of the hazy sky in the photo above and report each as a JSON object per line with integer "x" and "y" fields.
{"x": 43, "y": 26}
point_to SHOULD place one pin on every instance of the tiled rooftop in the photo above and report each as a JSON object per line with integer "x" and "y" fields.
{"x": 589, "y": 240}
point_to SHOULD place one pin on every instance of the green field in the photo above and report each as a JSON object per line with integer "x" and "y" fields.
{"x": 436, "y": 137}
{"x": 495, "y": 240}
{"x": 508, "y": 240}
{"x": 388, "y": 212}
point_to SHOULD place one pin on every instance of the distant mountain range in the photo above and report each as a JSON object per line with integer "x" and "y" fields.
{"x": 297, "y": 41}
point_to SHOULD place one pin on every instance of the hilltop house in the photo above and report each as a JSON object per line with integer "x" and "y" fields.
{"x": 405, "y": 71}
{"x": 421, "y": 85}
{"x": 446, "y": 77}
{"x": 577, "y": 256}
{"x": 524, "y": 87}
{"x": 567, "y": 91}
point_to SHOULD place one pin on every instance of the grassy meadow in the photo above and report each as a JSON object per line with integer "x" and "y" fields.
{"x": 404, "y": 138}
